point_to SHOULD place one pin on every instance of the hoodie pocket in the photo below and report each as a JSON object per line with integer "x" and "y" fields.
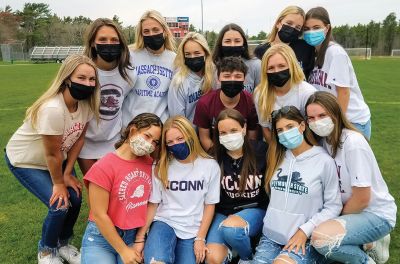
{"x": 280, "y": 226}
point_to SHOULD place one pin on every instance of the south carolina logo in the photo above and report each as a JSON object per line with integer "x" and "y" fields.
{"x": 153, "y": 82}
{"x": 110, "y": 101}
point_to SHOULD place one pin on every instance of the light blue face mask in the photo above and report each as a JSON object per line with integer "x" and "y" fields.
{"x": 314, "y": 37}
{"x": 291, "y": 138}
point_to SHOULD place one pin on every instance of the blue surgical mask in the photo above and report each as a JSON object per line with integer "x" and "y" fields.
{"x": 291, "y": 138}
{"x": 314, "y": 37}
{"x": 180, "y": 151}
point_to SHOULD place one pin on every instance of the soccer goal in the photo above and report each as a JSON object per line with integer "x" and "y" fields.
{"x": 12, "y": 52}
{"x": 395, "y": 53}
{"x": 359, "y": 52}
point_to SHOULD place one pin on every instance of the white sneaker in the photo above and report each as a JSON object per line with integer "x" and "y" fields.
{"x": 241, "y": 261}
{"x": 70, "y": 254}
{"x": 370, "y": 260}
{"x": 49, "y": 259}
{"x": 380, "y": 250}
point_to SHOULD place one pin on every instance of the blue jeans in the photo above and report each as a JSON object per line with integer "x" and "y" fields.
{"x": 58, "y": 225}
{"x": 360, "y": 229}
{"x": 365, "y": 129}
{"x": 164, "y": 246}
{"x": 96, "y": 249}
{"x": 237, "y": 238}
{"x": 267, "y": 250}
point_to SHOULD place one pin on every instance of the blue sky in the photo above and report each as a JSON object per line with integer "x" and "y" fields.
{"x": 252, "y": 15}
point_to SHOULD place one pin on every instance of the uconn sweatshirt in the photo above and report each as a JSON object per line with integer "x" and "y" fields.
{"x": 304, "y": 193}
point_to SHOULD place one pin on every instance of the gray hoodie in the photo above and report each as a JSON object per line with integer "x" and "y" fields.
{"x": 311, "y": 198}
{"x": 183, "y": 95}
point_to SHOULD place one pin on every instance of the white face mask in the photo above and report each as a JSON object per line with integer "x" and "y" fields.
{"x": 322, "y": 127}
{"x": 140, "y": 147}
{"x": 232, "y": 141}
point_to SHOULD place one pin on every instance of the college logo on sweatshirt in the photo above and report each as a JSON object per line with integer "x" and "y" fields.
{"x": 296, "y": 184}
{"x": 319, "y": 77}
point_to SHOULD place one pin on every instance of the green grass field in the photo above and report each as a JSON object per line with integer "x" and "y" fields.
{"x": 21, "y": 214}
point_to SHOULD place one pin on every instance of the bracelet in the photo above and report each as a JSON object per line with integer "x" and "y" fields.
{"x": 199, "y": 239}
{"x": 139, "y": 241}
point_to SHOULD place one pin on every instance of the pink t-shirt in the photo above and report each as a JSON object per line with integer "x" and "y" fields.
{"x": 129, "y": 185}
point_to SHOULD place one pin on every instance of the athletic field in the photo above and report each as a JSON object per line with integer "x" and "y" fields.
{"x": 21, "y": 214}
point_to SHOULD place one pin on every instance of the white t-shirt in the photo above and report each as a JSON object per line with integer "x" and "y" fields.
{"x": 101, "y": 137}
{"x": 357, "y": 167}
{"x": 338, "y": 71}
{"x": 150, "y": 93}
{"x": 297, "y": 96}
{"x": 191, "y": 185}
{"x": 25, "y": 148}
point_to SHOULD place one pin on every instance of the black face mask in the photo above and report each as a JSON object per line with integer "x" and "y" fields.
{"x": 195, "y": 64}
{"x": 288, "y": 34}
{"x": 231, "y": 88}
{"x": 80, "y": 91}
{"x": 154, "y": 42}
{"x": 235, "y": 51}
{"x": 109, "y": 52}
{"x": 278, "y": 79}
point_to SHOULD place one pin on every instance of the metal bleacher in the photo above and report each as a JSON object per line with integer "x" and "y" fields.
{"x": 54, "y": 53}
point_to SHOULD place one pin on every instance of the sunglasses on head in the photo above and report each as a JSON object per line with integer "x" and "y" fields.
{"x": 283, "y": 110}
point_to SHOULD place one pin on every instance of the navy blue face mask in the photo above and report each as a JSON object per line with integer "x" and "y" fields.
{"x": 180, "y": 151}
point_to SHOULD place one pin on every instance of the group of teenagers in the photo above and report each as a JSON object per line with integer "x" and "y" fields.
{"x": 200, "y": 156}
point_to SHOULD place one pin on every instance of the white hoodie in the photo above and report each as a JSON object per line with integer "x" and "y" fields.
{"x": 312, "y": 197}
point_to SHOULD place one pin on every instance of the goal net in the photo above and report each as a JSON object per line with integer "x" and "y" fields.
{"x": 12, "y": 52}
{"x": 395, "y": 53}
{"x": 359, "y": 52}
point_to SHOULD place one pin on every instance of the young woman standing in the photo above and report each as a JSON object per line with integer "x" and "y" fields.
{"x": 334, "y": 72}
{"x": 42, "y": 152}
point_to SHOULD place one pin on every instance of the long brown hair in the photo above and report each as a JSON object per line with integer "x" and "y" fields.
{"x": 329, "y": 103}
{"x": 276, "y": 151}
{"x": 249, "y": 165}
{"x": 144, "y": 120}
{"x": 217, "y": 53}
{"x": 90, "y": 51}
{"x": 320, "y": 13}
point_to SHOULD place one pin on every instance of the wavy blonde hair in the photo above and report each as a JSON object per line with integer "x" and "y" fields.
{"x": 185, "y": 127}
{"x": 153, "y": 14}
{"x": 266, "y": 92}
{"x": 287, "y": 11}
{"x": 183, "y": 72}
{"x": 58, "y": 86}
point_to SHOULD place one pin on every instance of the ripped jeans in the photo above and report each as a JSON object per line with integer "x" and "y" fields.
{"x": 58, "y": 225}
{"x": 360, "y": 229}
{"x": 267, "y": 251}
{"x": 237, "y": 238}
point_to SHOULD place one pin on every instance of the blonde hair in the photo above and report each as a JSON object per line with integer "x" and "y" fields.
{"x": 287, "y": 11}
{"x": 179, "y": 62}
{"x": 265, "y": 91}
{"x": 185, "y": 127}
{"x": 153, "y": 14}
{"x": 58, "y": 86}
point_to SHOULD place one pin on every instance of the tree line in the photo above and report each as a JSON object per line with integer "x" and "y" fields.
{"x": 36, "y": 25}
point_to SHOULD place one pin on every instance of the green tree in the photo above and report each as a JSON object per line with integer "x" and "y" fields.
{"x": 389, "y": 29}
{"x": 35, "y": 17}
{"x": 116, "y": 20}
